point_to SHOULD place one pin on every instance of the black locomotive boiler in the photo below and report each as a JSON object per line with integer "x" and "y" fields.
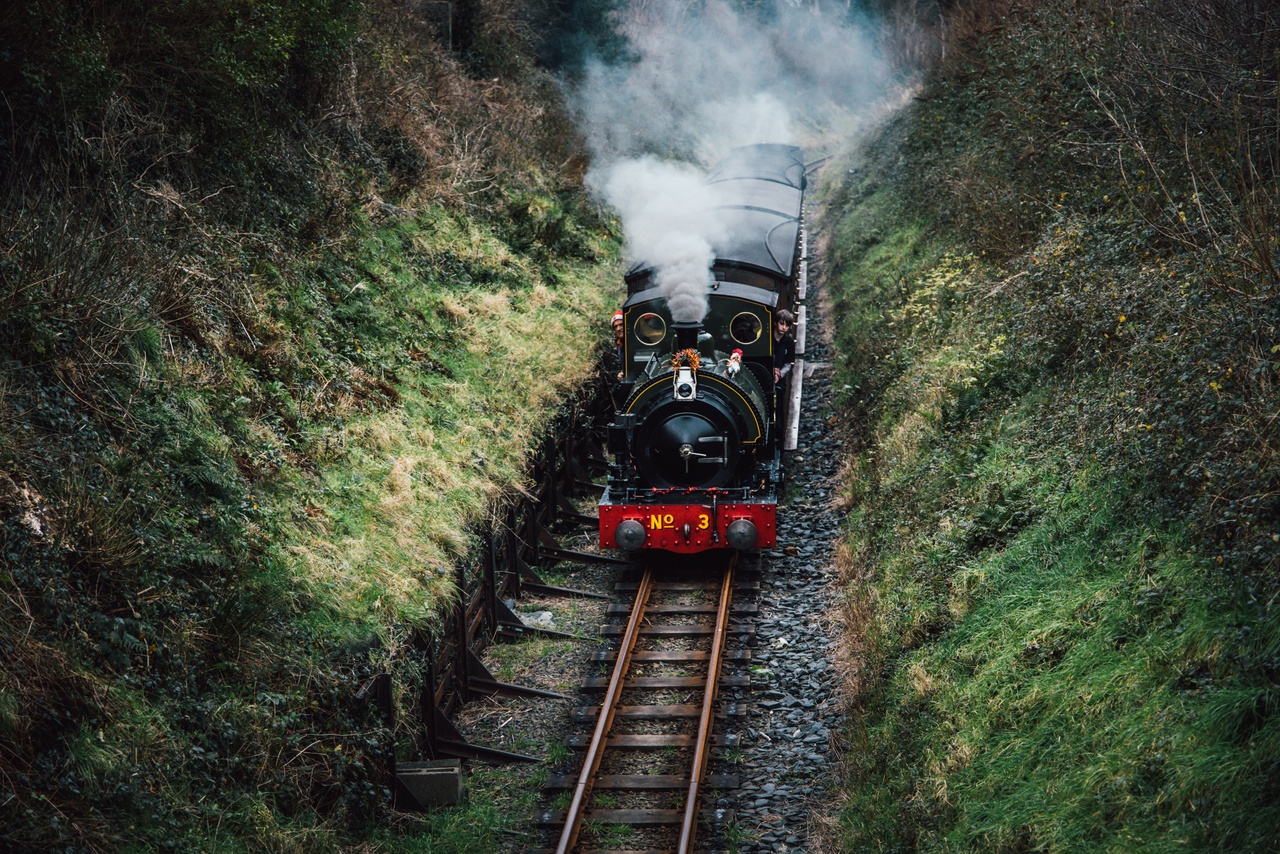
{"x": 696, "y": 441}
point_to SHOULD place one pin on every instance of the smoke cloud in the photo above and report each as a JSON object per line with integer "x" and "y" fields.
{"x": 706, "y": 79}
{"x": 668, "y": 220}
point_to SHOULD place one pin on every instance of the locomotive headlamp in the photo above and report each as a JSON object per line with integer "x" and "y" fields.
{"x": 741, "y": 534}
{"x": 629, "y": 535}
{"x": 686, "y": 382}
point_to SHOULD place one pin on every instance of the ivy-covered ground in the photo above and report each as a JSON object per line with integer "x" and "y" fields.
{"x": 1061, "y": 358}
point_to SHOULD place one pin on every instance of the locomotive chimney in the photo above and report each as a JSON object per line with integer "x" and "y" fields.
{"x": 686, "y": 334}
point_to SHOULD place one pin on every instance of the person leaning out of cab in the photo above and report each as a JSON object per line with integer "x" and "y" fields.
{"x": 784, "y": 344}
{"x": 617, "y": 324}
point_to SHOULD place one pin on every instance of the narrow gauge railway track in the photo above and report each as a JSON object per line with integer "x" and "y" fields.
{"x": 644, "y": 775}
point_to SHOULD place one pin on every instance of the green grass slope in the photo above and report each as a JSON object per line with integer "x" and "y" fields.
{"x": 1059, "y": 299}
{"x": 288, "y": 293}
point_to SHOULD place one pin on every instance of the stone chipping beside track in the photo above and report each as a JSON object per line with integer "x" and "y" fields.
{"x": 788, "y": 766}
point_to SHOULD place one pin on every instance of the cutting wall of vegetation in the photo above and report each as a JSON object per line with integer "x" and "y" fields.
{"x": 287, "y": 293}
{"x": 1057, "y": 297}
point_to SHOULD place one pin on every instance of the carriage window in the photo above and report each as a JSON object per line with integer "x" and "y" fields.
{"x": 745, "y": 328}
{"x": 650, "y": 329}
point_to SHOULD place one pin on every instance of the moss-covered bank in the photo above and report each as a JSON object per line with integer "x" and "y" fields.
{"x": 1059, "y": 313}
{"x": 287, "y": 294}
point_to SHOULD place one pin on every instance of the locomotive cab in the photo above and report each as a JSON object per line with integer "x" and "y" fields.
{"x": 739, "y": 318}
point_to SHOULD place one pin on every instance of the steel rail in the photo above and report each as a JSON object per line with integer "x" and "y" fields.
{"x": 702, "y": 748}
{"x": 591, "y": 763}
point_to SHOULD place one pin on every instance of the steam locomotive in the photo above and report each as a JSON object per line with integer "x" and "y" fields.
{"x": 697, "y": 437}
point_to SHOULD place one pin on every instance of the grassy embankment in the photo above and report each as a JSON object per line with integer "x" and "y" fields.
{"x": 288, "y": 294}
{"x": 1058, "y": 296}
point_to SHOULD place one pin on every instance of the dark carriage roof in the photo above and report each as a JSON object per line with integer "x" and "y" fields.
{"x": 762, "y": 187}
{"x": 780, "y": 164}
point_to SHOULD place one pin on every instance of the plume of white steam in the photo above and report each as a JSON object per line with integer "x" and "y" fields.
{"x": 668, "y": 219}
{"x": 708, "y": 78}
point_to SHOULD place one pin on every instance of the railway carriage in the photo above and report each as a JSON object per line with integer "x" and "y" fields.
{"x": 696, "y": 441}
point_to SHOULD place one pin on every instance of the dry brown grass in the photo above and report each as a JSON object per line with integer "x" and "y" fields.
{"x": 468, "y": 135}
{"x": 852, "y": 660}
{"x": 855, "y": 616}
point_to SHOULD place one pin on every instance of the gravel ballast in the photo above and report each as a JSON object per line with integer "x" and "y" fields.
{"x": 788, "y": 767}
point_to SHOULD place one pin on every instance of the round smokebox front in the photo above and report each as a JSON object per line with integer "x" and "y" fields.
{"x": 685, "y": 446}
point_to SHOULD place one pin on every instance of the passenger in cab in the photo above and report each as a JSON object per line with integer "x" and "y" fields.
{"x": 784, "y": 344}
